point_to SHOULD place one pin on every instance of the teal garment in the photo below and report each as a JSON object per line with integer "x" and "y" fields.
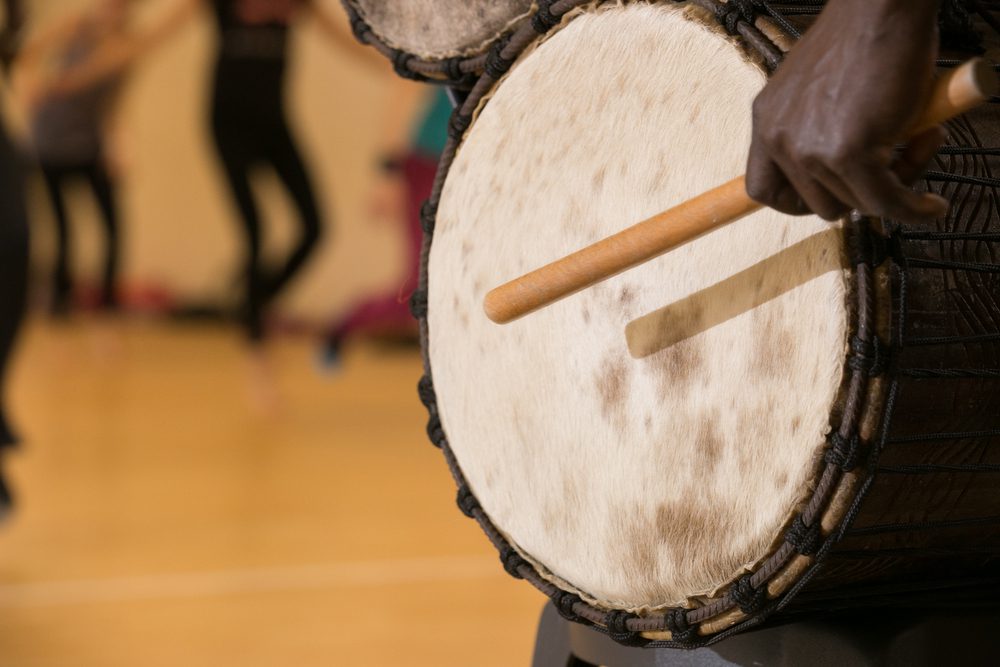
{"x": 432, "y": 131}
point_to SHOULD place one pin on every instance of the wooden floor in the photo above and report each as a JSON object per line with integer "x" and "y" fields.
{"x": 165, "y": 520}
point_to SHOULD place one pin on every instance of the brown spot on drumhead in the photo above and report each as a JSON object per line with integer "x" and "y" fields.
{"x": 772, "y": 351}
{"x": 635, "y": 542}
{"x": 612, "y": 386}
{"x": 682, "y": 526}
{"x": 648, "y": 423}
{"x": 796, "y": 425}
{"x": 586, "y": 315}
{"x": 598, "y": 181}
{"x": 676, "y": 367}
{"x": 709, "y": 447}
{"x": 626, "y": 297}
{"x": 695, "y": 112}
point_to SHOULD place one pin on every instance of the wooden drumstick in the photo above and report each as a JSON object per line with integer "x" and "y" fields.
{"x": 954, "y": 93}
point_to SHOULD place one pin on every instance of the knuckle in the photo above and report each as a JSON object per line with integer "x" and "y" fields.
{"x": 760, "y": 192}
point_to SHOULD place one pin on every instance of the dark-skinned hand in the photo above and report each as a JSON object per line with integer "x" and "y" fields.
{"x": 826, "y": 124}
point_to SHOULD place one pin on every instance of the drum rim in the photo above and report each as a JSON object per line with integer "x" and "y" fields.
{"x": 458, "y": 71}
{"x": 774, "y": 580}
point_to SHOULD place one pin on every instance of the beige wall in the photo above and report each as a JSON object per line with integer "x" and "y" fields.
{"x": 181, "y": 229}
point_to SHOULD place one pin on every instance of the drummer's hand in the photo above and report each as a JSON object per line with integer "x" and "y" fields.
{"x": 826, "y": 123}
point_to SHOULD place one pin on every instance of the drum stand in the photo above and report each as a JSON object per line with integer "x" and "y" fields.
{"x": 864, "y": 639}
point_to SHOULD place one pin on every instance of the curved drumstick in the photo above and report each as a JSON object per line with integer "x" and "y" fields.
{"x": 954, "y": 93}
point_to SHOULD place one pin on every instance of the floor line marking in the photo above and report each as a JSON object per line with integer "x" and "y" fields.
{"x": 249, "y": 580}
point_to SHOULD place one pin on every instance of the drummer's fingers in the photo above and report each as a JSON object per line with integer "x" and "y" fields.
{"x": 917, "y": 155}
{"x": 766, "y": 184}
{"x": 881, "y": 193}
{"x": 819, "y": 199}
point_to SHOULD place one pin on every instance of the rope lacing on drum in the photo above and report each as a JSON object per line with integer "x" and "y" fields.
{"x": 868, "y": 356}
{"x": 457, "y": 76}
{"x": 428, "y": 215}
{"x": 458, "y": 124}
{"x": 617, "y": 624}
{"x": 425, "y": 389}
{"x": 496, "y": 65}
{"x": 735, "y": 11}
{"x": 956, "y": 29}
{"x": 843, "y": 452}
{"x": 359, "y": 28}
{"x": 401, "y": 65}
{"x": 563, "y": 602}
{"x": 748, "y": 597}
{"x": 435, "y": 432}
{"x": 512, "y": 561}
{"x": 681, "y": 631}
{"x": 544, "y": 20}
{"x": 868, "y": 247}
{"x": 418, "y": 304}
{"x": 467, "y": 502}
{"x": 805, "y": 539}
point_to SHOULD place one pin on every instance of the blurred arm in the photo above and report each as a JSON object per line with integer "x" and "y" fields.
{"x": 47, "y": 38}
{"x": 116, "y": 54}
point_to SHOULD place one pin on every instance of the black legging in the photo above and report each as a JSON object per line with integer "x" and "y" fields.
{"x": 95, "y": 174}
{"x": 249, "y": 135}
{"x": 13, "y": 267}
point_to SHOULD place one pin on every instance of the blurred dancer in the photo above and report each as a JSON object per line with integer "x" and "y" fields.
{"x": 10, "y": 33}
{"x": 250, "y": 129}
{"x": 414, "y": 134}
{"x": 69, "y": 120}
{"x": 13, "y": 271}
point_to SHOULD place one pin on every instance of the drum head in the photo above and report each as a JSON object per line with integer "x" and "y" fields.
{"x": 438, "y": 29}
{"x": 646, "y": 440}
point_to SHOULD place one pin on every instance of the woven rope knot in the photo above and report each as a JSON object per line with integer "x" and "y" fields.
{"x": 428, "y": 214}
{"x": 496, "y": 65}
{"x": 868, "y": 356}
{"x": 869, "y": 248}
{"x": 511, "y": 561}
{"x": 453, "y": 68}
{"x": 564, "y": 602}
{"x": 467, "y": 502}
{"x": 735, "y": 11}
{"x": 458, "y": 125}
{"x": 681, "y": 631}
{"x": 458, "y": 77}
{"x": 746, "y": 596}
{"x": 843, "y": 452}
{"x": 805, "y": 539}
{"x": 359, "y": 28}
{"x": 418, "y": 304}
{"x": 435, "y": 432}
{"x": 544, "y": 20}
{"x": 401, "y": 64}
{"x": 617, "y": 624}
{"x": 425, "y": 389}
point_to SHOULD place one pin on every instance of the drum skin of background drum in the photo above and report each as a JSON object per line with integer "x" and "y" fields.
{"x": 439, "y": 40}
{"x": 829, "y": 398}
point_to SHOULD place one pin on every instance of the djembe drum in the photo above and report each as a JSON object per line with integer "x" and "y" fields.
{"x": 782, "y": 417}
{"x": 437, "y": 40}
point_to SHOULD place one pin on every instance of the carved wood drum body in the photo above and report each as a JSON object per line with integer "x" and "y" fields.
{"x": 781, "y": 416}
{"x": 439, "y": 40}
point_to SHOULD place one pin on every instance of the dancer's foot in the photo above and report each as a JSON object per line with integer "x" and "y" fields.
{"x": 265, "y": 399}
{"x": 330, "y": 357}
